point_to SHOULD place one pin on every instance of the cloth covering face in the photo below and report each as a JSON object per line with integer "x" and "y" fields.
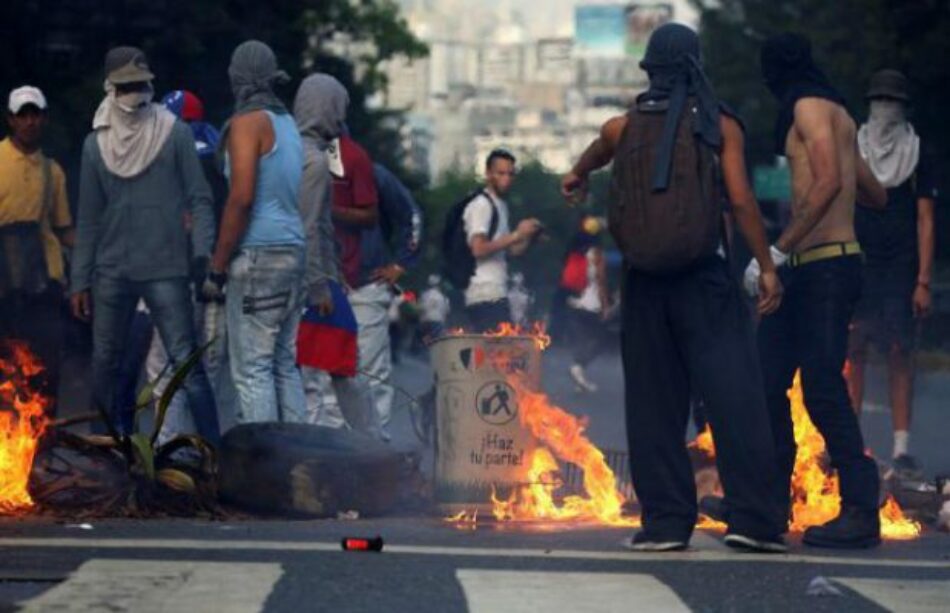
{"x": 888, "y": 143}
{"x": 253, "y": 73}
{"x": 791, "y": 74}
{"x": 320, "y": 108}
{"x": 673, "y": 63}
{"x": 130, "y": 138}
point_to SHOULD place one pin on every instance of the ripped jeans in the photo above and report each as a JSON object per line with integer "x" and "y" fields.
{"x": 264, "y": 303}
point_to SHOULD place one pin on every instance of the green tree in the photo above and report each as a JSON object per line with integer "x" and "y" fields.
{"x": 59, "y": 46}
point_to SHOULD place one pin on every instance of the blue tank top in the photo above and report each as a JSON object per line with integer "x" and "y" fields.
{"x": 275, "y": 216}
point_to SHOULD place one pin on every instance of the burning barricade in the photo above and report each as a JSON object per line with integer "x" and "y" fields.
{"x": 560, "y": 441}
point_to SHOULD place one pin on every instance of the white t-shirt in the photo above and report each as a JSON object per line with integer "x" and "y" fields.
{"x": 435, "y": 306}
{"x": 589, "y": 300}
{"x": 490, "y": 281}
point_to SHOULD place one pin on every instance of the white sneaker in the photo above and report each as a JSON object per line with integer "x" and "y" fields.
{"x": 580, "y": 378}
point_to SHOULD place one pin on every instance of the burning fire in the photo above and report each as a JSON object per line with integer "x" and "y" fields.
{"x": 22, "y": 422}
{"x": 815, "y": 488}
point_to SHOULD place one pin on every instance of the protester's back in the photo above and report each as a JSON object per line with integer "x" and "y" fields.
{"x": 664, "y": 230}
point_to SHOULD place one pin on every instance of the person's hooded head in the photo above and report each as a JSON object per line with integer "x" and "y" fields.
{"x": 130, "y": 129}
{"x": 320, "y": 108}
{"x": 674, "y": 66}
{"x": 790, "y": 73}
{"x": 254, "y": 73}
{"x": 188, "y": 107}
{"x": 888, "y": 141}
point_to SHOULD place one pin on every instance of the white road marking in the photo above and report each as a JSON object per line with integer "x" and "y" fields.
{"x": 157, "y": 586}
{"x": 904, "y": 595}
{"x": 489, "y": 591}
{"x": 479, "y": 552}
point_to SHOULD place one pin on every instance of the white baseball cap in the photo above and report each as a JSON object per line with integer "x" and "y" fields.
{"x": 27, "y": 94}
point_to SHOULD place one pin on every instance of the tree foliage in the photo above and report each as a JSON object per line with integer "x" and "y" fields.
{"x": 59, "y": 46}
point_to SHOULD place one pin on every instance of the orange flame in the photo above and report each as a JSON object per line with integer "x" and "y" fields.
{"x": 537, "y": 331}
{"x": 815, "y": 497}
{"x": 22, "y": 423}
{"x": 704, "y": 443}
{"x": 463, "y": 520}
{"x": 563, "y": 435}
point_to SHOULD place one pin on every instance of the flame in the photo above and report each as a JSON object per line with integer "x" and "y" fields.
{"x": 537, "y": 331}
{"x": 22, "y": 423}
{"x": 704, "y": 443}
{"x": 562, "y": 434}
{"x": 463, "y": 520}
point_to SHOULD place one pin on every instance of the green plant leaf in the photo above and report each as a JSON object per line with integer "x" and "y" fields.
{"x": 176, "y": 383}
{"x": 144, "y": 454}
{"x": 145, "y": 394}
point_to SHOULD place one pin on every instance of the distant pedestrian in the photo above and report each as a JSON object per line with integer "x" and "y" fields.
{"x": 35, "y": 225}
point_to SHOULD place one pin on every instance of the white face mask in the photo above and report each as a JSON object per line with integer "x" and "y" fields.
{"x": 133, "y": 102}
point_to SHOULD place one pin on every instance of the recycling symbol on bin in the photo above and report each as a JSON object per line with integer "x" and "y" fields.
{"x": 495, "y": 403}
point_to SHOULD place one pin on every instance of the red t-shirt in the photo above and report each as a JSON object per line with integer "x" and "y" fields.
{"x": 353, "y": 187}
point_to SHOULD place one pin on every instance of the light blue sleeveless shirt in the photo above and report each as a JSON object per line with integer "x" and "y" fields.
{"x": 275, "y": 215}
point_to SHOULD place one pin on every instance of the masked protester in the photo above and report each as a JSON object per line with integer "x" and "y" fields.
{"x": 820, "y": 264}
{"x": 685, "y": 326}
{"x": 35, "y": 224}
{"x": 141, "y": 180}
{"x": 327, "y": 342}
{"x": 898, "y": 244}
{"x": 261, "y": 243}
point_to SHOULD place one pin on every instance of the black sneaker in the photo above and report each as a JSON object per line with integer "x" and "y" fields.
{"x": 852, "y": 529}
{"x": 643, "y": 541}
{"x": 750, "y": 544}
{"x": 713, "y": 508}
{"x": 907, "y": 467}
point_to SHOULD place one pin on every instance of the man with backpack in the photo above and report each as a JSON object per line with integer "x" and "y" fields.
{"x": 684, "y": 320}
{"x": 477, "y": 241}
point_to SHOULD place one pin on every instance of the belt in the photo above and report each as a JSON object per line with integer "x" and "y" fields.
{"x": 824, "y": 252}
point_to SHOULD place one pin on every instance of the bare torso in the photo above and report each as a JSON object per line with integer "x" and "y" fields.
{"x": 837, "y": 225}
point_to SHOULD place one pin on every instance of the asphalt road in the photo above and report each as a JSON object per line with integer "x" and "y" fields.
{"x": 428, "y": 565}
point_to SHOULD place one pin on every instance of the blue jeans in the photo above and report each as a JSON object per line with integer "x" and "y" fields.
{"x": 810, "y": 332}
{"x": 265, "y": 300}
{"x": 169, "y": 301}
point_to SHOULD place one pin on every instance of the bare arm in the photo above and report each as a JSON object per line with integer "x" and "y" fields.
{"x": 925, "y": 239}
{"x": 482, "y": 247}
{"x": 745, "y": 208}
{"x": 597, "y": 155}
{"x": 870, "y": 192}
{"x": 814, "y": 124}
{"x": 244, "y": 150}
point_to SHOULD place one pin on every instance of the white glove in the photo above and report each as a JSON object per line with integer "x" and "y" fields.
{"x": 753, "y": 271}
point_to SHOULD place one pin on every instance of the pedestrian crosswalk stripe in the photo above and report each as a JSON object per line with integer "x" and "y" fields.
{"x": 904, "y": 595}
{"x": 693, "y": 555}
{"x": 154, "y": 586}
{"x": 489, "y": 591}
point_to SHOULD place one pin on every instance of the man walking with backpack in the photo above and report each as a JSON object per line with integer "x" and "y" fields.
{"x": 684, "y": 320}
{"x": 477, "y": 242}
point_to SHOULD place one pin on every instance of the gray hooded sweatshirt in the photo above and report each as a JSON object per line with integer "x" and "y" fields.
{"x": 320, "y": 111}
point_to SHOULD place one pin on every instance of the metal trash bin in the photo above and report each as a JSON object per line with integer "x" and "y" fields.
{"x": 480, "y": 442}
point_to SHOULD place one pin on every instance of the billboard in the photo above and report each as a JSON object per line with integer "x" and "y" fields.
{"x": 642, "y": 18}
{"x": 600, "y": 30}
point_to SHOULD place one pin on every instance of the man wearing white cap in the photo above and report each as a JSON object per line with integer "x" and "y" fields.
{"x": 34, "y": 226}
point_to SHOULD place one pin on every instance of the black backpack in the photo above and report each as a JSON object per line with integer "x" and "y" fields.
{"x": 458, "y": 263}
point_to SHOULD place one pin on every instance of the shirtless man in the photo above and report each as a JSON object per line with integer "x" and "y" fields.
{"x": 820, "y": 264}
{"x": 686, "y": 328}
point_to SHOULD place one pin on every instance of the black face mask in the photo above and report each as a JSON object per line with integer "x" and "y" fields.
{"x": 790, "y": 73}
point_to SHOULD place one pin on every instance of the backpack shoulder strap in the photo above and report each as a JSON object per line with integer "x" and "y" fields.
{"x": 46, "y": 205}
